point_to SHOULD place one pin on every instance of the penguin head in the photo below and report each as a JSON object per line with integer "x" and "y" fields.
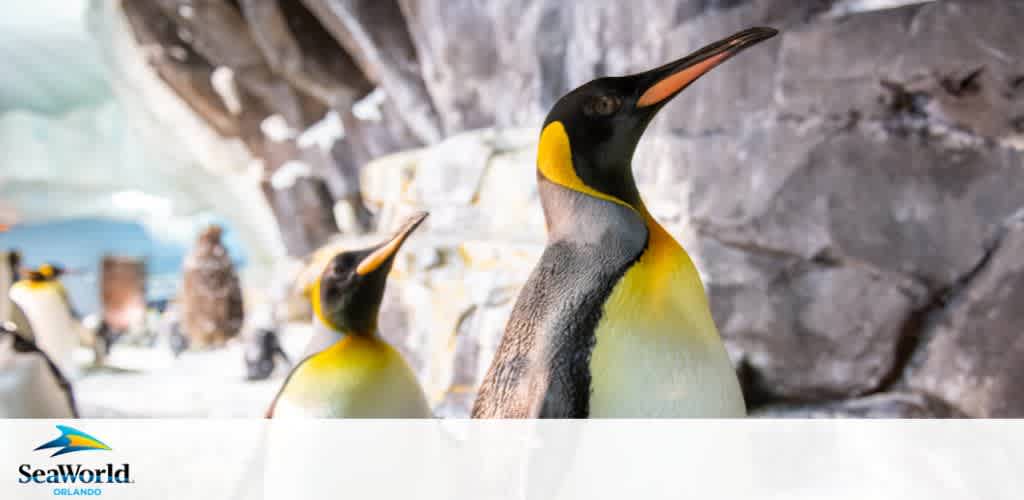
{"x": 45, "y": 272}
{"x": 590, "y": 134}
{"x": 348, "y": 293}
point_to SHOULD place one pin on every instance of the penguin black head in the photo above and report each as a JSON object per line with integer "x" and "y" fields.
{"x": 348, "y": 293}
{"x": 45, "y": 272}
{"x": 589, "y": 136}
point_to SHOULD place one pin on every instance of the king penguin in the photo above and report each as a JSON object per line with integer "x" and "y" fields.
{"x": 33, "y": 385}
{"x": 357, "y": 375}
{"x": 614, "y": 320}
{"x": 43, "y": 298}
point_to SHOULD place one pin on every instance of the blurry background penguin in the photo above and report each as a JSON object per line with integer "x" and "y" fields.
{"x": 353, "y": 372}
{"x": 170, "y": 329}
{"x": 31, "y": 384}
{"x": 262, "y": 351}
{"x": 263, "y": 347}
{"x": 55, "y": 325}
{"x": 211, "y": 297}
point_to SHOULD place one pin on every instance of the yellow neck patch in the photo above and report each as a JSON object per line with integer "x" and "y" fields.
{"x": 665, "y": 268}
{"x": 352, "y": 351}
{"x": 318, "y": 308}
{"x": 40, "y": 285}
{"x": 554, "y": 161}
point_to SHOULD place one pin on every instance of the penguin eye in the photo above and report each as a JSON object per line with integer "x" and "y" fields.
{"x": 342, "y": 264}
{"x": 602, "y": 105}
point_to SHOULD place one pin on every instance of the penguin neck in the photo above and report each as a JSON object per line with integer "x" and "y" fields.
{"x": 39, "y": 285}
{"x": 556, "y": 166}
{"x": 363, "y": 323}
{"x": 325, "y": 336}
{"x": 568, "y": 218}
{"x": 612, "y": 228}
{"x": 340, "y": 333}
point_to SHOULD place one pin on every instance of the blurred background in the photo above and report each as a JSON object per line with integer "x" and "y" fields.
{"x": 852, "y": 190}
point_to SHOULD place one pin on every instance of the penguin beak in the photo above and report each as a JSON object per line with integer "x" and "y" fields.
{"x": 665, "y": 82}
{"x": 384, "y": 253}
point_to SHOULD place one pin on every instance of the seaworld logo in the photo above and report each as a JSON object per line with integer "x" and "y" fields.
{"x": 73, "y": 440}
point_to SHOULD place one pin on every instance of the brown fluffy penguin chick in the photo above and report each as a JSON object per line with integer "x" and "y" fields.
{"x": 211, "y": 297}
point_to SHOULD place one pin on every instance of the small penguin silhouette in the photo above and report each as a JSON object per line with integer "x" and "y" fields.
{"x": 262, "y": 350}
{"x": 177, "y": 340}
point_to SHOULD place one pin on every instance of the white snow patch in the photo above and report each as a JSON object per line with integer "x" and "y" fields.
{"x": 846, "y": 7}
{"x": 345, "y": 217}
{"x": 368, "y": 108}
{"x": 223, "y": 81}
{"x": 178, "y": 53}
{"x": 206, "y": 384}
{"x": 1014, "y": 142}
{"x": 186, "y": 11}
{"x": 276, "y": 128}
{"x": 323, "y": 133}
{"x": 254, "y": 170}
{"x": 185, "y": 35}
{"x": 286, "y": 175}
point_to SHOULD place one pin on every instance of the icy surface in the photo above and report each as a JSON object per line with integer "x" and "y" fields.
{"x": 150, "y": 382}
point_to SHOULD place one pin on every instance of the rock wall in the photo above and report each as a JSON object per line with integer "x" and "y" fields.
{"x": 810, "y": 336}
{"x": 851, "y": 189}
{"x": 851, "y": 193}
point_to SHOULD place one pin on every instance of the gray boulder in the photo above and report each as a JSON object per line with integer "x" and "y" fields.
{"x": 974, "y": 355}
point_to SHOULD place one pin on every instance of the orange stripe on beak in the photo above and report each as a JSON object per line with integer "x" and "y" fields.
{"x": 675, "y": 82}
{"x": 373, "y": 261}
{"x": 674, "y": 77}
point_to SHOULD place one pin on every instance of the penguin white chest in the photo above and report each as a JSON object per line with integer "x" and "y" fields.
{"x": 657, "y": 351}
{"x": 56, "y": 331}
{"x": 353, "y": 379}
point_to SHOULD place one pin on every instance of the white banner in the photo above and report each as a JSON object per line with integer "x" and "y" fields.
{"x": 478, "y": 460}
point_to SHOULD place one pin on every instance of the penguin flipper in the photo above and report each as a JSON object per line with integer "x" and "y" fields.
{"x": 270, "y": 411}
{"x": 542, "y": 366}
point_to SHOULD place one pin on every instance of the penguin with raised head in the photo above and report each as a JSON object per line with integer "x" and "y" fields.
{"x": 358, "y": 374}
{"x": 43, "y": 298}
{"x": 34, "y": 386}
{"x": 614, "y": 320}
